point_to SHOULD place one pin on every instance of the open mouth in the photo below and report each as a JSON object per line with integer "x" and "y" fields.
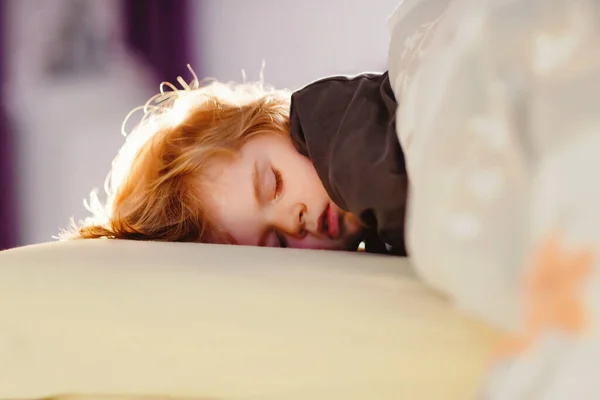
{"x": 323, "y": 223}
{"x": 329, "y": 222}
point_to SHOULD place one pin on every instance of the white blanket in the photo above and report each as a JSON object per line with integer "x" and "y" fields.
{"x": 498, "y": 118}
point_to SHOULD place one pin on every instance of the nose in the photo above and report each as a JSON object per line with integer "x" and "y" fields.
{"x": 291, "y": 219}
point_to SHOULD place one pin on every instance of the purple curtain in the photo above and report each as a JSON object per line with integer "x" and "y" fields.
{"x": 158, "y": 30}
{"x": 8, "y": 209}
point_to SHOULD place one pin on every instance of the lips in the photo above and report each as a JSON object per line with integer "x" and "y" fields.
{"x": 329, "y": 222}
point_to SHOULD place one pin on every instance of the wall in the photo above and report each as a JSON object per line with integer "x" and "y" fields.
{"x": 69, "y": 129}
{"x": 300, "y": 41}
{"x": 67, "y": 126}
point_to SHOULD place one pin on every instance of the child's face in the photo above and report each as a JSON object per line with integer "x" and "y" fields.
{"x": 270, "y": 195}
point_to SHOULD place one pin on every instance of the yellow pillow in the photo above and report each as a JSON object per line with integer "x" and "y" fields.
{"x": 227, "y": 322}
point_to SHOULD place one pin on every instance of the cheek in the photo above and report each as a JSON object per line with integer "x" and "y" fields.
{"x": 303, "y": 173}
{"x": 235, "y": 214}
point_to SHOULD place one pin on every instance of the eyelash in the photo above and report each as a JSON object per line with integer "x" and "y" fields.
{"x": 282, "y": 241}
{"x": 278, "y": 182}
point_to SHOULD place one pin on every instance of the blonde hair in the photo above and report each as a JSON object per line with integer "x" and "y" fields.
{"x": 154, "y": 190}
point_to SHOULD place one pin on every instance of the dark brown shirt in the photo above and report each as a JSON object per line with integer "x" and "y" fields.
{"x": 346, "y": 126}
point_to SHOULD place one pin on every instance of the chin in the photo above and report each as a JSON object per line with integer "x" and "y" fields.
{"x": 354, "y": 243}
{"x": 353, "y": 232}
{"x": 350, "y": 242}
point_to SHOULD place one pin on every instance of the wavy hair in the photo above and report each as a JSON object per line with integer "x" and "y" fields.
{"x": 154, "y": 190}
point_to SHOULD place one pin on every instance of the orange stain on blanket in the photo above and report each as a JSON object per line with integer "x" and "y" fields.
{"x": 552, "y": 295}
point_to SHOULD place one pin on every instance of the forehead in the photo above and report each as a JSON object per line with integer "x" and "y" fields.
{"x": 230, "y": 199}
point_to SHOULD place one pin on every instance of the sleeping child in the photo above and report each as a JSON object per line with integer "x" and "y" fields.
{"x": 320, "y": 168}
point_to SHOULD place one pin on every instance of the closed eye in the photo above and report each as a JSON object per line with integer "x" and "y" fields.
{"x": 281, "y": 240}
{"x": 278, "y": 183}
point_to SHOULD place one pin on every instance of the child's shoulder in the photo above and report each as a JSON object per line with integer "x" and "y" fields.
{"x": 343, "y": 82}
{"x": 327, "y": 101}
{"x": 348, "y": 78}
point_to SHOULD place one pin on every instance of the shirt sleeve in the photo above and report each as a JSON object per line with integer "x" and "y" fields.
{"x": 346, "y": 126}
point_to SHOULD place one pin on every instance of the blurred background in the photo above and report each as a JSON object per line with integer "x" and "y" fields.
{"x": 72, "y": 69}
